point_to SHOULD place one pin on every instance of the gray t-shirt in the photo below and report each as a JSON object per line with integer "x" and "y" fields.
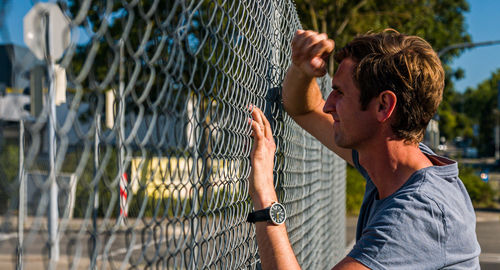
{"x": 429, "y": 223}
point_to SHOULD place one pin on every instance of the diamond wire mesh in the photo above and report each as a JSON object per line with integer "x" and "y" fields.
{"x": 152, "y": 144}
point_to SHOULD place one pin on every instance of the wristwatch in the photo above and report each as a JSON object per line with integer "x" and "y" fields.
{"x": 275, "y": 214}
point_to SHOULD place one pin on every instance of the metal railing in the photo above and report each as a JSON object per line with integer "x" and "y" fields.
{"x": 142, "y": 159}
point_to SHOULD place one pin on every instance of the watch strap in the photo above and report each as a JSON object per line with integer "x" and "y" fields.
{"x": 259, "y": 215}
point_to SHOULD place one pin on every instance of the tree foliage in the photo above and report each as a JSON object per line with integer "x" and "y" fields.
{"x": 9, "y": 168}
{"x": 480, "y": 103}
{"x": 481, "y": 193}
{"x": 441, "y": 22}
{"x": 355, "y": 189}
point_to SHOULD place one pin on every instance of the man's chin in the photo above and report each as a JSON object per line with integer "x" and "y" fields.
{"x": 340, "y": 142}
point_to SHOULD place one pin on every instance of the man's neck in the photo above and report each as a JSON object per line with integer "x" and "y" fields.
{"x": 391, "y": 164}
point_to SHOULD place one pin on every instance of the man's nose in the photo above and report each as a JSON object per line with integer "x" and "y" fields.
{"x": 330, "y": 103}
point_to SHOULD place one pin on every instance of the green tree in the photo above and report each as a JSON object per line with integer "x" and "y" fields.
{"x": 480, "y": 104}
{"x": 481, "y": 193}
{"x": 355, "y": 190}
{"x": 441, "y": 22}
{"x": 9, "y": 168}
{"x": 453, "y": 121}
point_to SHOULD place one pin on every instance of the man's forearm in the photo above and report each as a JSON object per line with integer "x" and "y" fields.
{"x": 275, "y": 250}
{"x": 274, "y": 247}
{"x": 301, "y": 93}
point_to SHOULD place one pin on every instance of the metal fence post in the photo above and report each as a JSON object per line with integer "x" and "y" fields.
{"x": 22, "y": 199}
{"x": 194, "y": 105}
{"x": 123, "y": 204}
{"x": 53, "y": 205}
{"x": 52, "y": 124}
{"x": 95, "y": 236}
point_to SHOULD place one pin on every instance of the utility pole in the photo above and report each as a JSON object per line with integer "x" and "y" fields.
{"x": 497, "y": 125}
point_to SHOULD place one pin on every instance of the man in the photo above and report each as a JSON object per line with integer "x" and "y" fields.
{"x": 416, "y": 213}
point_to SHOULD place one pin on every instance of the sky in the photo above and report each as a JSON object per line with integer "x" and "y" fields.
{"x": 483, "y": 24}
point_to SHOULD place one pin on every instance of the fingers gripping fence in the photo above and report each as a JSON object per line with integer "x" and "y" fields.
{"x": 148, "y": 164}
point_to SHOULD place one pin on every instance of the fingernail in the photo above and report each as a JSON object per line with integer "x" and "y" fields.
{"x": 249, "y": 120}
{"x": 316, "y": 62}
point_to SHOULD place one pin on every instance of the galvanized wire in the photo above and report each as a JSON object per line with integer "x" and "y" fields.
{"x": 152, "y": 143}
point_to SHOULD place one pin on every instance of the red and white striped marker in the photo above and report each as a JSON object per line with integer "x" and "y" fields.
{"x": 123, "y": 196}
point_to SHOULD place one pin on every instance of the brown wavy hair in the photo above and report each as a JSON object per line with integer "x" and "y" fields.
{"x": 406, "y": 65}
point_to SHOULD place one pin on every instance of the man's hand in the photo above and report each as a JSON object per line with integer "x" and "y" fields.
{"x": 310, "y": 51}
{"x": 261, "y": 187}
{"x": 275, "y": 250}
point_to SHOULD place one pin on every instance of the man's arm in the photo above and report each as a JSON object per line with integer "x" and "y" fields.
{"x": 302, "y": 97}
{"x": 349, "y": 263}
{"x": 275, "y": 249}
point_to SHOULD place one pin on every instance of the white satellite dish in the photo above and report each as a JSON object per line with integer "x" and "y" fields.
{"x": 35, "y": 31}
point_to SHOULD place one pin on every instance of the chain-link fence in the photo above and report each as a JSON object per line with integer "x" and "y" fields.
{"x": 132, "y": 149}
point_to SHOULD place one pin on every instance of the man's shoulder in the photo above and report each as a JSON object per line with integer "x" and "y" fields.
{"x": 414, "y": 227}
{"x": 435, "y": 189}
{"x": 421, "y": 228}
{"x": 411, "y": 202}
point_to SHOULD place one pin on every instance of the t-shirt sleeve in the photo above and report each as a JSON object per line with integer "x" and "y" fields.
{"x": 408, "y": 234}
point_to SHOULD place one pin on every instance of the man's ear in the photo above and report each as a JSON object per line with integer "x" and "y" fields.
{"x": 386, "y": 104}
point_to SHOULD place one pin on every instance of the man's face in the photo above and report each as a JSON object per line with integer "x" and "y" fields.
{"x": 352, "y": 126}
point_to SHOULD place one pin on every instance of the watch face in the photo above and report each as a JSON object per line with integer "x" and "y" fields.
{"x": 277, "y": 213}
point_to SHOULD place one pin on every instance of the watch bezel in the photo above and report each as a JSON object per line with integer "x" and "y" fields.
{"x": 276, "y": 204}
